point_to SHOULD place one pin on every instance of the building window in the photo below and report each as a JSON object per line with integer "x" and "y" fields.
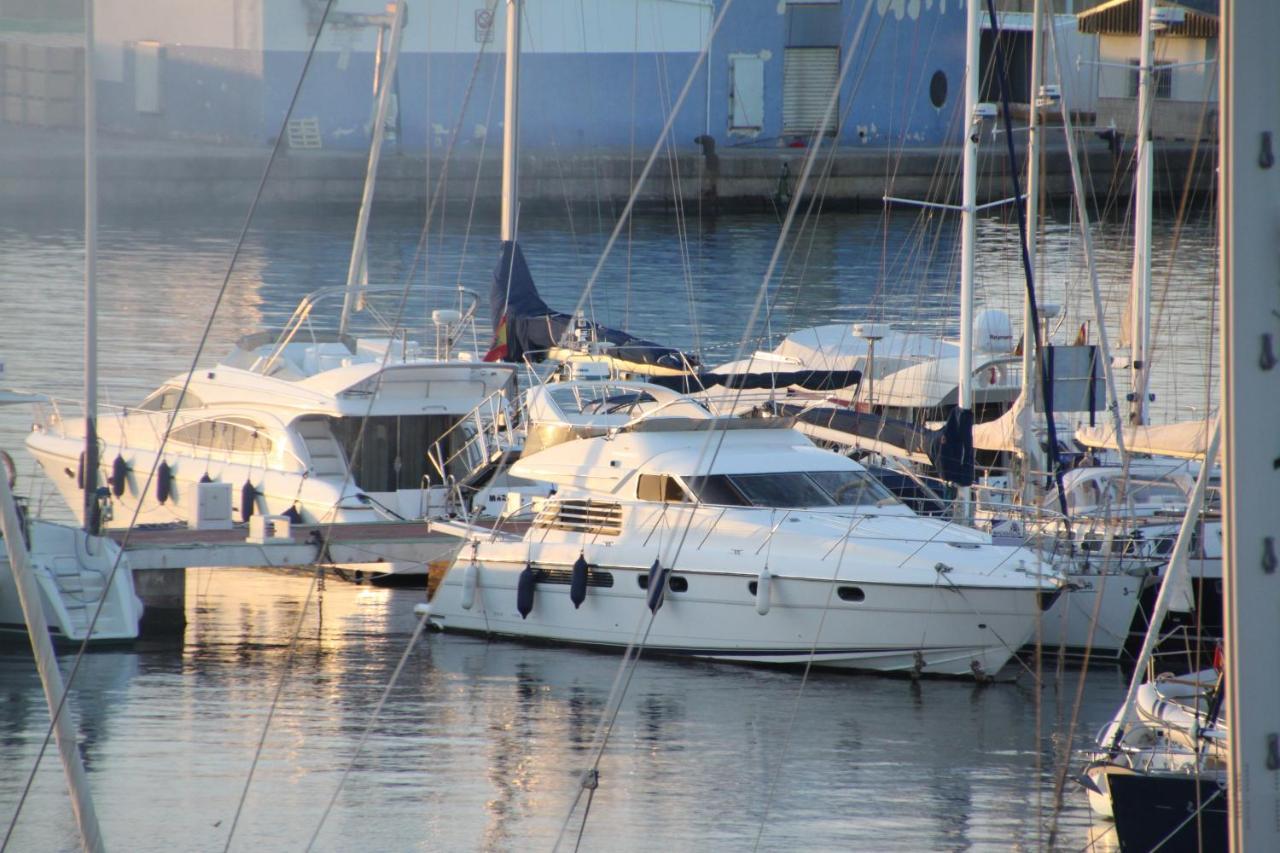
{"x": 1163, "y": 79}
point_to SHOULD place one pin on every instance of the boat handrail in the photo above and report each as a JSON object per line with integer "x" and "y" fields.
{"x": 468, "y": 302}
{"x": 491, "y": 417}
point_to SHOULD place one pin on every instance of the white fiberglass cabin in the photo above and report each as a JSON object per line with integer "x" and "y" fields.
{"x": 759, "y": 547}
{"x": 313, "y": 425}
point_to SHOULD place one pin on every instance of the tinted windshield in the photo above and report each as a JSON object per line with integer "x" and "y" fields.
{"x": 791, "y": 489}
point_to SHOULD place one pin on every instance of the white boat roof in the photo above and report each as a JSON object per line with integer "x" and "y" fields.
{"x": 420, "y": 387}
{"x": 676, "y": 435}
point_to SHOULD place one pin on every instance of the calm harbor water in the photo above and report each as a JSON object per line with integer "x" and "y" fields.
{"x": 480, "y": 744}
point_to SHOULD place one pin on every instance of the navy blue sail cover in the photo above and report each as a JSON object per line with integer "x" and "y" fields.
{"x": 950, "y": 449}
{"x": 524, "y": 325}
{"x": 810, "y": 380}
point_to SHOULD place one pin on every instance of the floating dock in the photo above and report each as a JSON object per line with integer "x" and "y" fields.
{"x": 160, "y": 556}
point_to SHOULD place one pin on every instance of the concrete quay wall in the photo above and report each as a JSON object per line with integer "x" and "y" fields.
{"x": 36, "y": 173}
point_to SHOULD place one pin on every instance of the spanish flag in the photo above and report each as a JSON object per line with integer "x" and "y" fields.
{"x": 498, "y": 351}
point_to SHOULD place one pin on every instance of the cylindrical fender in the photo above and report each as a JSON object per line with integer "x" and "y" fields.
{"x": 119, "y": 475}
{"x": 164, "y": 482}
{"x": 764, "y": 591}
{"x": 248, "y": 497}
{"x": 470, "y": 580}
{"x": 525, "y": 588}
{"x": 578, "y": 582}
{"x": 657, "y": 586}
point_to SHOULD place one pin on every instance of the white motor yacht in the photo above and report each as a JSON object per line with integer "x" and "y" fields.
{"x": 748, "y": 543}
{"x": 316, "y": 426}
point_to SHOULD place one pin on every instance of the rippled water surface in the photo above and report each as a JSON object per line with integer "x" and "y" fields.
{"x": 481, "y": 744}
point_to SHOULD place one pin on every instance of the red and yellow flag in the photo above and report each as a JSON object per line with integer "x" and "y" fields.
{"x": 498, "y": 351}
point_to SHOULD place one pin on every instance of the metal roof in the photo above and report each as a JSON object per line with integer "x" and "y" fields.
{"x": 1124, "y": 17}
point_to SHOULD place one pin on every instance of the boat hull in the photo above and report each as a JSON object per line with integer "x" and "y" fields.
{"x": 1093, "y": 616}
{"x": 932, "y": 630}
{"x": 1169, "y": 812}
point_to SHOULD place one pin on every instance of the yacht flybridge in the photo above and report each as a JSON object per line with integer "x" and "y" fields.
{"x": 746, "y": 542}
{"x": 314, "y": 425}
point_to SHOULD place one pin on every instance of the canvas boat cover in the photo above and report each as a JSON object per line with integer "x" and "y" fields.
{"x": 1183, "y": 440}
{"x": 524, "y": 325}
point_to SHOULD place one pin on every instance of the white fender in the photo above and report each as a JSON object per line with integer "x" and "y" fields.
{"x": 470, "y": 580}
{"x": 763, "y": 593}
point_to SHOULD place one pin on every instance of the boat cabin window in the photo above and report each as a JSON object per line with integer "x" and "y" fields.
{"x": 397, "y": 451}
{"x": 660, "y": 488}
{"x": 166, "y": 400}
{"x": 230, "y": 435}
{"x": 792, "y": 489}
{"x": 1148, "y": 492}
{"x": 1086, "y": 496}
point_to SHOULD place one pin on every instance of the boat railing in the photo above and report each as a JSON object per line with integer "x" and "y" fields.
{"x": 449, "y": 327}
{"x": 475, "y": 441}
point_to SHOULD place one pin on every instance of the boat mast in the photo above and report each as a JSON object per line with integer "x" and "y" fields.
{"x": 1030, "y": 334}
{"x": 1249, "y": 219}
{"x": 1140, "y": 287}
{"x": 89, "y": 468}
{"x": 358, "y": 268}
{"x": 511, "y": 124}
{"x": 47, "y": 662}
{"x": 968, "y": 225}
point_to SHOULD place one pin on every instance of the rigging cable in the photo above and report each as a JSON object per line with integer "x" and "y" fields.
{"x": 631, "y": 655}
{"x": 1104, "y": 345}
{"x": 625, "y": 216}
{"x": 222, "y": 290}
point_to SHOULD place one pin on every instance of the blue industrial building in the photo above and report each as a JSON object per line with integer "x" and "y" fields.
{"x": 596, "y": 74}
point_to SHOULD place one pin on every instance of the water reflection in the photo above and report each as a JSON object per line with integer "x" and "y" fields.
{"x": 481, "y": 744}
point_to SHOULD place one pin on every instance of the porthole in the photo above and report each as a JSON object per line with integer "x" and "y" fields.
{"x": 938, "y": 89}
{"x": 850, "y": 593}
{"x": 675, "y": 583}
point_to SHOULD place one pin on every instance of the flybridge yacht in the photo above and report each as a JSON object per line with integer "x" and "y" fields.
{"x": 317, "y": 426}
{"x": 746, "y": 542}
